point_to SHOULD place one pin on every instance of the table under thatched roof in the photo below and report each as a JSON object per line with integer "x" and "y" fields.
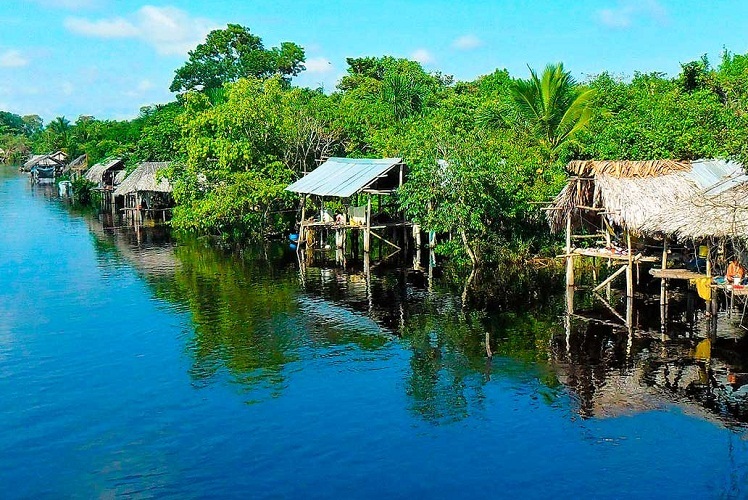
{"x": 683, "y": 199}
{"x": 96, "y": 172}
{"x": 145, "y": 178}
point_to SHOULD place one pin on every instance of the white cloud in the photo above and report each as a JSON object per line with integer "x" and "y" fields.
{"x": 467, "y": 42}
{"x": 423, "y": 56}
{"x": 319, "y": 65}
{"x": 171, "y": 31}
{"x": 626, "y": 12}
{"x": 12, "y": 58}
{"x": 140, "y": 89}
{"x": 67, "y": 88}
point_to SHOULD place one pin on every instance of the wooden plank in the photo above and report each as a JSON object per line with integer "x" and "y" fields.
{"x": 611, "y": 277}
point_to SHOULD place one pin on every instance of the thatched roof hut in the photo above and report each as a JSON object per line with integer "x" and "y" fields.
{"x": 682, "y": 199}
{"x": 145, "y": 178}
{"x": 102, "y": 174}
{"x": 80, "y": 164}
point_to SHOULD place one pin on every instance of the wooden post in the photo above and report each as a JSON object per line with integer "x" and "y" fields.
{"x": 663, "y": 266}
{"x": 367, "y": 232}
{"x": 569, "y": 258}
{"x": 301, "y": 224}
{"x": 629, "y": 268}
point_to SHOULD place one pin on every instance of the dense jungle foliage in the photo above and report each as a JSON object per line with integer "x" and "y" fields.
{"x": 239, "y": 131}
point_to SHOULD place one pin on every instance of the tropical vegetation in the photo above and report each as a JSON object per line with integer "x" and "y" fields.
{"x": 483, "y": 155}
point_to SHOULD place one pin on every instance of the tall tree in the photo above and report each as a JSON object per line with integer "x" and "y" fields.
{"x": 233, "y": 53}
{"x": 552, "y": 105}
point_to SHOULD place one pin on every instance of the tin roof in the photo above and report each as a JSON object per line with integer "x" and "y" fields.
{"x": 343, "y": 177}
{"x": 716, "y": 176}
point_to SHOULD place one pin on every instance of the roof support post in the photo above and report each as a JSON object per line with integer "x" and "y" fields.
{"x": 629, "y": 268}
{"x": 569, "y": 257}
{"x": 367, "y": 232}
{"x": 302, "y": 236}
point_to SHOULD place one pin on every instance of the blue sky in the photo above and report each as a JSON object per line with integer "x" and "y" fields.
{"x": 107, "y": 58}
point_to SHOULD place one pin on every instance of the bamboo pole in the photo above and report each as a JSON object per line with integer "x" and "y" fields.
{"x": 629, "y": 268}
{"x": 610, "y": 278}
{"x": 569, "y": 258}
{"x": 367, "y": 232}
{"x": 663, "y": 266}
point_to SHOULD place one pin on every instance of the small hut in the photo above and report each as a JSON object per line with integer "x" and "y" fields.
{"x": 146, "y": 193}
{"x": 657, "y": 201}
{"x": 77, "y": 167}
{"x": 54, "y": 162}
{"x": 348, "y": 181}
{"x": 103, "y": 174}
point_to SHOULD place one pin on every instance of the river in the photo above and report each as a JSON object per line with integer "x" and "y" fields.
{"x": 134, "y": 364}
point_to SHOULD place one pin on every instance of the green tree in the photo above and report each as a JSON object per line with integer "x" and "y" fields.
{"x": 233, "y": 53}
{"x": 551, "y": 105}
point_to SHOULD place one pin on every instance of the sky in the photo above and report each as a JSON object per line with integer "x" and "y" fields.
{"x": 107, "y": 58}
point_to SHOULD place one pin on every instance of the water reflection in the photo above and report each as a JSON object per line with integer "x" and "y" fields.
{"x": 259, "y": 314}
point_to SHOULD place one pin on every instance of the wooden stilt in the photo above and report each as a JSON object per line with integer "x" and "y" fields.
{"x": 569, "y": 257}
{"x": 367, "y": 232}
{"x": 629, "y": 268}
{"x": 663, "y": 266}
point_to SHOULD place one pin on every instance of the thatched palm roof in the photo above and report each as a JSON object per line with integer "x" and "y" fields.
{"x": 78, "y": 164}
{"x": 145, "y": 178}
{"x": 627, "y": 168}
{"x": 723, "y": 215}
{"x": 654, "y": 197}
{"x": 121, "y": 176}
{"x": 96, "y": 172}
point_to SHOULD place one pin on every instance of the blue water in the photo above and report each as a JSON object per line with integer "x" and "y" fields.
{"x": 158, "y": 369}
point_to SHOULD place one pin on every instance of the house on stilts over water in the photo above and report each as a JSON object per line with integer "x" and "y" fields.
{"x": 362, "y": 186}
{"x": 686, "y": 218}
{"x": 145, "y": 194}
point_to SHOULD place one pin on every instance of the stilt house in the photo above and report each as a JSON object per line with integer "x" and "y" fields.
{"x": 146, "y": 193}
{"x": 352, "y": 182}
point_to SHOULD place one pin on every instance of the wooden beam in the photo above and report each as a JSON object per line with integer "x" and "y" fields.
{"x": 611, "y": 277}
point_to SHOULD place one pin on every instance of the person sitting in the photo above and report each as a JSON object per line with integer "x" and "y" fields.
{"x": 735, "y": 270}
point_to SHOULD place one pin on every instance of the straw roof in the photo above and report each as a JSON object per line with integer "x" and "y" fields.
{"x": 96, "y": 172}
{"x": 657, "y": 197}
{"x": 145, "y": 178}
{"x": 724, "y": 215}
{"x": 627, "y": 168}
{"x": 121, "y": 176}
{"x": 78, "y": 164}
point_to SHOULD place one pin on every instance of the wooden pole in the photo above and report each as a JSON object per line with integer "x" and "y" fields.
{"x": 569, "y": 258}
{"x": 367, "y": 232}
{"x": 301, "y": 224}
{"x": 663, "y": 266}
{"x": 629, "y": 268}
{"x": 610, "y": 278}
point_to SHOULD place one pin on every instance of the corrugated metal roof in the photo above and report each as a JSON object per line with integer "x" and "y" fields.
{"x": 343, "y": 177}
{"x": 716, "y": 176}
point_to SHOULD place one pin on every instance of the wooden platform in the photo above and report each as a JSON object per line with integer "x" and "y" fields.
{"x": 676, "y": 274}
{"x": 607, "y": 254}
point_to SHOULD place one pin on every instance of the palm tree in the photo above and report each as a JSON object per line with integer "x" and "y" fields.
{"x": 403, "y": 95}
{"x": 552, "y": 105}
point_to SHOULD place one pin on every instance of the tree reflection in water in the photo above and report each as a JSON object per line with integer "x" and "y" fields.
{"x": 254, "y": 314}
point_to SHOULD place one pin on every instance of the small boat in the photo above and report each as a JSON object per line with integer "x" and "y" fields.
{"x": 40, "y": 172}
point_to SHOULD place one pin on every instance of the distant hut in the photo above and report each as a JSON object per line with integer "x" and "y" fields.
{"x": 77, "y": 167}
{"x": 146, "y": 193}
{"x": 44, "y": 164}
{"x": 103, "y": 174}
